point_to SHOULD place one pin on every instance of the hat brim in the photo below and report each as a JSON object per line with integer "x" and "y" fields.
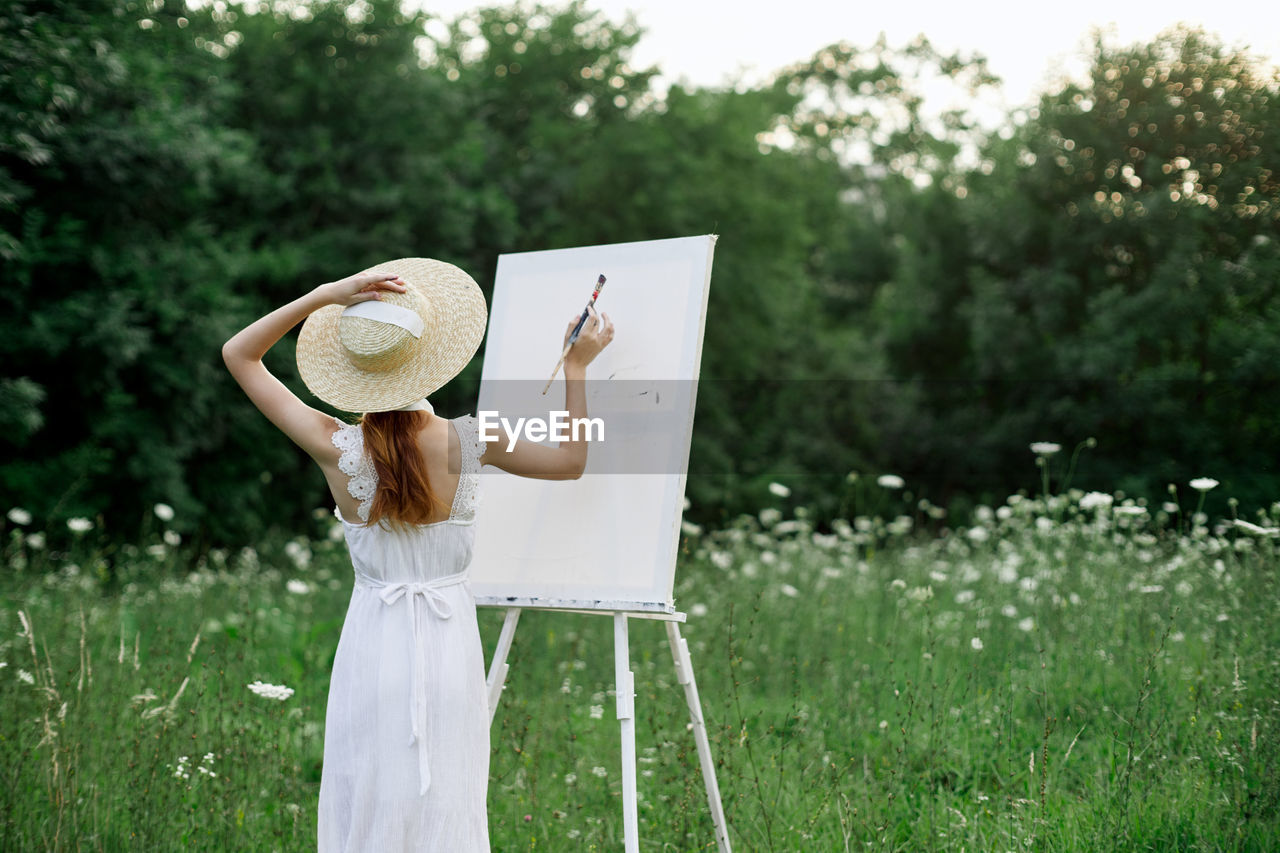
{"x": 446, "y": 346}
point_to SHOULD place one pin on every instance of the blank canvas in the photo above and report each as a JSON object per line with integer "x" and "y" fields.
{"x": 608, "y": 540}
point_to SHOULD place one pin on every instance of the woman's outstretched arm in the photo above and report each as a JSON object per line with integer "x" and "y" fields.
{"x": 308, "y": 428}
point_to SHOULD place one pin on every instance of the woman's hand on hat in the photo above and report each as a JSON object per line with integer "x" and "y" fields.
{"x": 362, "y": 287}
{"x": 595, "y": 336}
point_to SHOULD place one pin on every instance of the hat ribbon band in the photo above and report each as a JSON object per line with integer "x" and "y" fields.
{"x": 385, "y": 312}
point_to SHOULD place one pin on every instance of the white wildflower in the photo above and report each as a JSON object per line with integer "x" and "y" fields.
{"x": 1096, "y": 500}
{"x": 1203, "y": 484}
{"x": 779, "y": 490}
{"x": 36, "y": 541}
{"x": 271, "y": 691}
{"x": 1004, "y": 513}
{"x": 698, "y": 610}
{"x": 79, "y": 525}
{"x": 884, "y": 724}
{"x": 1026, "y": 624}
{"x": 297, "y": 587}
{"x": 164, "y": 512}
{"x": 964, "y": 596}
{"x": 687, "y": 503}
{"x": 788, "y": 590}
{"x": 19, "y": 516}
{"x": 826, "y": 541}
{"x": 688, "y": 528}
{"x": 1150, "y": 588}
{"x": 570, "y": 778}
{"x": 298, "y": 552}
{"x": 600, "y": 771}
{"x": 172, "y": 538}
{"x": 1170, "y": 507}
{"x": 920, "y": 593}
{"x": 1254, "y": 529}
{"x": 890, "y": 481}
{"x": 976, "y": 643}
{"x": 1045, "y": 448}
{"x": 770, "y": 516}
{"x": 1044, "y": 525}
{"x": 1130, "y": 510}
{"x": 1009, "y": 610}
{"x": 596, "y": 711}
{"x": 978, "y": 534}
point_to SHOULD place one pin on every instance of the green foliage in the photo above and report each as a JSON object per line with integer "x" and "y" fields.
{"x": 1068, "y": 668}
{"x": 168, "y": 174}
{"x": 1109, "y": 271}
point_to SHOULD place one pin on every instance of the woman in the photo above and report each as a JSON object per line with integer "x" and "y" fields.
{"x": 406, "y": 751}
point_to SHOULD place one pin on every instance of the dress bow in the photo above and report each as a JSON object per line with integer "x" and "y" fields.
{"x": 430, "y": 593}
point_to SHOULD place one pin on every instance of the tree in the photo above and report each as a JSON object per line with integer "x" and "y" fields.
{"x": 1119, "y": 279}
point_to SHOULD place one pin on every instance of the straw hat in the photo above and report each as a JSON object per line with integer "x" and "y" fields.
{"x": 385, "y": 353}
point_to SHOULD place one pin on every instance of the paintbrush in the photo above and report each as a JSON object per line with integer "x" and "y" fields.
{"x": 576, "y": 329}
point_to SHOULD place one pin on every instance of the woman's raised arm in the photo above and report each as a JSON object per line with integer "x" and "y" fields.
{"x": 308, "y": 428}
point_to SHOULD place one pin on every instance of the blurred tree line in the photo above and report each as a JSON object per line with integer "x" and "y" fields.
{"x": 894, "y": 290}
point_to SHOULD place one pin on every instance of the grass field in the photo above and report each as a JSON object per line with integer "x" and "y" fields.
{"x": 1071, "y": 673}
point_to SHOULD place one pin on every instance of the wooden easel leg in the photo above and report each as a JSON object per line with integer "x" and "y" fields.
{"x": 498, "y": 666}
{"x": 625, "y": 690}
{"x": 684, "y": 673}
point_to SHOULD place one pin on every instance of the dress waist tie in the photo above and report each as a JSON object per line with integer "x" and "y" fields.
{"x": 435, "y": 600}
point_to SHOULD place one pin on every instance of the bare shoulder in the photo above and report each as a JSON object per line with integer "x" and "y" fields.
{"x": 493, "y": 436}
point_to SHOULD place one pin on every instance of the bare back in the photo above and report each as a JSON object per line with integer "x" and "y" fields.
{"x": 441, "y": 448}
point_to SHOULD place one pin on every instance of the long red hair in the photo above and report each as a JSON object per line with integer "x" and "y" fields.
{"x": 404, "y": 493}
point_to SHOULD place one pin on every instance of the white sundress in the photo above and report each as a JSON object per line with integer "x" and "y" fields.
{"x": 406, "y": 742}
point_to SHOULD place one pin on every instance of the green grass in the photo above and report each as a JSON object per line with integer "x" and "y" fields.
{"x": 1125, "y": 694}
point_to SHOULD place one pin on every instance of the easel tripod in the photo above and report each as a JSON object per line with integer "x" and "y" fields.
{"x": 624, "y": 680}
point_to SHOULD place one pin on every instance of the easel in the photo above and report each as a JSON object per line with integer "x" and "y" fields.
{"x": 624, "y": 680}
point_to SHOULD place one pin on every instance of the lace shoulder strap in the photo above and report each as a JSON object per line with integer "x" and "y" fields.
{"x": 468, "y": 496}
{"x": 362, "y": 477}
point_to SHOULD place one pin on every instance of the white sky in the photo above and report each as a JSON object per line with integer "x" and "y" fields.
{"x": 718, "y": 42}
